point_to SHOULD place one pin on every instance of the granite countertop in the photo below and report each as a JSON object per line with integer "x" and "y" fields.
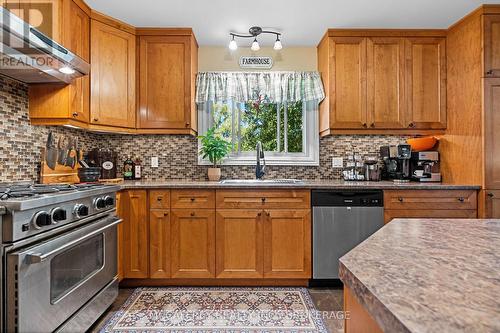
{"x": 423, "y": 275}
{"x": 324, "y": 184}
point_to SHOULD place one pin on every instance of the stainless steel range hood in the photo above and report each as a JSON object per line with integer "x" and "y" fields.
{"x": 29, "y": 56}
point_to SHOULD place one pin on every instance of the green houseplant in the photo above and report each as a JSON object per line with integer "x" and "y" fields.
{"x": 213, "y": 148}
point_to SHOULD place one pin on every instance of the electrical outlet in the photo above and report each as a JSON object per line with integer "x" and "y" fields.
{"x": 337, "y": 162}
{"x": 154, "y": 162}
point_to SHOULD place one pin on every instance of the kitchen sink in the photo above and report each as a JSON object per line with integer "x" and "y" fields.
{"x": 261, "y": 181}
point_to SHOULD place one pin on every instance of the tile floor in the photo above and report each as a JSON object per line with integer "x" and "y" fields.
{"x": 328, "y": 300}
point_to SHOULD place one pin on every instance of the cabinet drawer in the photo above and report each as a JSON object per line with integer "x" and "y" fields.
{"x": 430, "y": 199}
{"x": 193, "y": 199}
{"x": 231, "y": 199}
{"x": 159, "y": 199}
{"x": 389, "y": 215}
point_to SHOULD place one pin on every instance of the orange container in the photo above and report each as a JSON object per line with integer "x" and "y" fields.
{"x": 421, "y": 144}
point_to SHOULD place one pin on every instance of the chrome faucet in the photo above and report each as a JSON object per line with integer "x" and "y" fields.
{"x": 260, "y": 170}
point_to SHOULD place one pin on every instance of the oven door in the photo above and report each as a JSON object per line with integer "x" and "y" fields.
{"x": 50, "y": 281}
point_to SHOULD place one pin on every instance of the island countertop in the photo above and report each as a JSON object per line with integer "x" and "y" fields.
{"x": 429, "y": 275}
{"x": 306, "y": 184}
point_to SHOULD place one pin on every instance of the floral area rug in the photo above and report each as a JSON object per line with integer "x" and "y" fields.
{"x": 182, "y": 310}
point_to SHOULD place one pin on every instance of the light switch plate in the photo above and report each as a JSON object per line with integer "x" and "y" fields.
{"x": 337, "y": 162}
{"x": 154, "y": 162}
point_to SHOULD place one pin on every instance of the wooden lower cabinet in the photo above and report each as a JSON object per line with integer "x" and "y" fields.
{"x": 492, "y": 204}
{"x": 159, "y": 244}
{"x": 239, "y": 243}
{"x": 119, "y": 250}
{"x": 192, "y": 243}
{"x": 359, "y": 320}
{"x": 430, "y": 204}
{"x": 287, "y": 244}
{"x": 135, "y": 234}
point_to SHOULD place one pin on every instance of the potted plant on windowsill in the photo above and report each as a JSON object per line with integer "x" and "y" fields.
{"x": 214, "y": 149}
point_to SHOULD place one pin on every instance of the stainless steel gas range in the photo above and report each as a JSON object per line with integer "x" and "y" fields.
{"x": 59, "y": 250}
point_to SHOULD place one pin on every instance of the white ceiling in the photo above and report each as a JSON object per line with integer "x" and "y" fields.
{"x": 302, "y": 22}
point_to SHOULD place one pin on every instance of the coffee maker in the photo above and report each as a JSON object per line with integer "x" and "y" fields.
{"x": 425, "y": 167}
{"x": 396, "y": 162}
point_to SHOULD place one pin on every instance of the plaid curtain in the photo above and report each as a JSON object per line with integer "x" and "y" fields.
{"x": 275, "y": 87}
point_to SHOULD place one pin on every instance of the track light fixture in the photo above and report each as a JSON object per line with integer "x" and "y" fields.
{"x": 253, "y": 32}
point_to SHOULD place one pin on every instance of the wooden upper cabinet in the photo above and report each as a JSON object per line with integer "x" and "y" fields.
{"x": 192, "y": 243}
{"x": 135, "y": 234}
{"x": 239, "y": 243}
{"x": 165, "y": 83}
{"x": 385, "y": 82}
{"x": 380, "y": 81}
{"x": 426, "y": 83}
{"x": 54, "y": 104}
{"x": 492, "y": 133}
{"x": 113, "y": 54}
{"x": 491, "y": 45}
{"x": 347, "y": 82}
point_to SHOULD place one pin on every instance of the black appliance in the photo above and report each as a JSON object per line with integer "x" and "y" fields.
{"x": 396, "y": 162}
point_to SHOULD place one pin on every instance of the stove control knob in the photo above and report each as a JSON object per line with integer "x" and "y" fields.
{"x": 41, "y": 219}
{"x": 81, "y": 210}
{"x": 58, "y": 215}
{"x": 99, "y": 203}
{"x": 109, "y": 201}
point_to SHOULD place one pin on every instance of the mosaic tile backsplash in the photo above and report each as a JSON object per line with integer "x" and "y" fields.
{"x": 21, "y": 146}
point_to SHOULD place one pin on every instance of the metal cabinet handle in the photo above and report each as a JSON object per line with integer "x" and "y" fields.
{"x": 411, "y": 125}
{"x": 491, "y": 195}
{"x": 165, "y": 214}
{"x": 400, "y": 199}
{"x": 461, "y": 199}
{"x": 187, "y": 124}
{"x": 75, "y": 114}
{"x": 259, "y": 214}
{"x": 263, "y": 200}
{"x": 365, "y": 125}
{"x": 35, "y": 258}
{"x": 96, "y": 119}
{"x": 490, "y": 72}
{"x": 372, "y": 125}
{"x": 193, "y": 199}
{"x": 159, "y": 199}
{"x": 192, "y": 213}
{"x": 268, "y": 214}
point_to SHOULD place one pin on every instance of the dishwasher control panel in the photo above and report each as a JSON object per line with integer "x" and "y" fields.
{"x": 356, "y": 198}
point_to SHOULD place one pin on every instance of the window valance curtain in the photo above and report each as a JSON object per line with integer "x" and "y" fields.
{"x": 275, "y": 87}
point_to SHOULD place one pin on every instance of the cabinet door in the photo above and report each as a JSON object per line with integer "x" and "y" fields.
{"x": 136, "y": 238}
{"x": 492, "y": 205}
{"x": 492, "y": 133}
{"x": 112, "y": 76}
{"x": 165, "y": 82}
{"x": 159, "y": 244}
{"x": 76, "y": 37}
{"x": 390, "y": 214}
{"x": 385, "y": 83}
{"x": 192, "y": 243}
{"x": 492, "y": 45}
{"x": 347, "y": 82}
{"x": 426, "y": 83}
{"x": 239, "y": 243}
{"x": 287, "y": 244}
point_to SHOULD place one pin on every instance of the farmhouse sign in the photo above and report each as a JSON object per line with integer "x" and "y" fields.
{"x": 256, "y": 62}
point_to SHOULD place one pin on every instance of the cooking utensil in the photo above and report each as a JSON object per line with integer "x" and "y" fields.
{"x": 422, "y": 144}
{"x": 62, "y": 147}
{"x": 51, "y": 152}
{"x": 71, "y": 159}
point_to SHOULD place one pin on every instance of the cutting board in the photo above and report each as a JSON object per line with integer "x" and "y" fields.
{"x": 62, "y": 174}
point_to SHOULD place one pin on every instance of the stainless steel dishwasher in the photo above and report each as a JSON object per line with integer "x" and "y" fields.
{"x": 341, "y": 221}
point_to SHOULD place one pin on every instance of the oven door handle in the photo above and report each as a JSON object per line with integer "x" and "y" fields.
{"x": 35, "y": 258}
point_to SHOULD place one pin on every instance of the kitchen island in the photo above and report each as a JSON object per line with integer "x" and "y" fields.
{"x": 425, "y": 275}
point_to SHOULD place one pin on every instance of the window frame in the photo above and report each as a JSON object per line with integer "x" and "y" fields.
{"x": 309, "y": 157}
